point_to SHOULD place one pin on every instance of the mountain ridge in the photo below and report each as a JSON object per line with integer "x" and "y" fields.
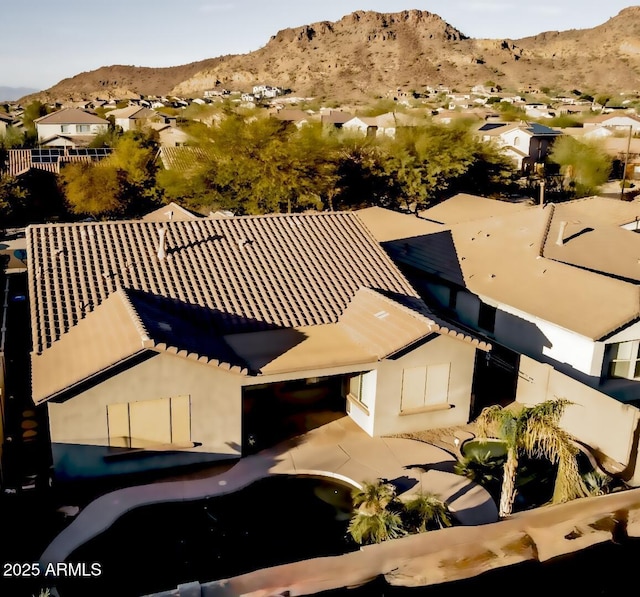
{"x": 367, "y": 53}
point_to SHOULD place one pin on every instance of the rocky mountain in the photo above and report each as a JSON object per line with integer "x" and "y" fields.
{"x": 368, "y": 53}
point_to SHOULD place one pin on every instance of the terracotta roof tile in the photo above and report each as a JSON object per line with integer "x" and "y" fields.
{"x": 288, "y": 271}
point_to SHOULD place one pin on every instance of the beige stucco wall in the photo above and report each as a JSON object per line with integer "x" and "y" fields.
{"x": 216, "y": 406}
{"x": 388, "y": 418}
{"x": 595, "y": 419}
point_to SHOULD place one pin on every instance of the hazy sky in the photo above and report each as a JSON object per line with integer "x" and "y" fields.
{"x": 44, "y": 41}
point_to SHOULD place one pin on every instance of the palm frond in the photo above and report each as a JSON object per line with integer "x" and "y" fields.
{"x": 427, "y": 511}
{"x": 373, "y": 496}
{"x": 376, "y": 528}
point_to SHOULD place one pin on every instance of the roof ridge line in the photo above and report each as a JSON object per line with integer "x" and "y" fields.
{"x": 147, "y": 341}
{"x": 547, "y": 229}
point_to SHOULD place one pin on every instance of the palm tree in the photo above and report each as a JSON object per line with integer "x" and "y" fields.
{"x": 534, "y": 431}
{"x": 425, "y": 512}
{"x": 376, "y": 518}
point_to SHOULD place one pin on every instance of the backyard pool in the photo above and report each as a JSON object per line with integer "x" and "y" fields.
{"x": 276, "y": 520}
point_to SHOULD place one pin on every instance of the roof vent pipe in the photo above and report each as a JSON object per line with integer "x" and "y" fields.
{"x": 161, "y": 243}
{"x": 560, "y": 239}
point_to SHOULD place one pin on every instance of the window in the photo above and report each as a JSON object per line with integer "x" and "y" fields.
{"x": 150, "y": 423}
{"x": 424, "y": 387}
{"x": 83, "y": 128}
{"x": 624, "y": 359}
{"x": 487, "y": 317}
{"x": 65, "y": 128}
{"x": 355, "y": 387}
{"x": 361, "y": 388}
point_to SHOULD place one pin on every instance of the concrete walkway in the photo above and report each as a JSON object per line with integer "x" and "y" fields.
{"x": 339, "y": 450}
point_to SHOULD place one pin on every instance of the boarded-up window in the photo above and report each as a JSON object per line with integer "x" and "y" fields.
{"x": 150, "y": 423}
{"x": 414, "y": 382}
{"x": 425, "y": 386}
{"x": 118, "y": 422}
{"x": 437, "y": 389}
{"x": 180, "y": 420}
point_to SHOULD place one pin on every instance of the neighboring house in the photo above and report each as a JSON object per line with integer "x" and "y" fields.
{"x": 170, "y": 136}
{"x": 297, "y": 117}
{"x": 158, "y": 345}
{"x": 266, "y": 91}
{"x": 133, "y": 117}
{"x": 335, "y": 118}
{"x": 5, "y": 122}
{"x": 362, "y": 124}
{"x": 619, "y": 122}
{"x": 382, "y": 125}
{"x": 556, "y": 290}
{"x": 70, "y": 123}
{"x": 526, "y": 143}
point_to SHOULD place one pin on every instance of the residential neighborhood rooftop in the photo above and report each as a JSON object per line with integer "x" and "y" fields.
{"x": 318, "y": 286}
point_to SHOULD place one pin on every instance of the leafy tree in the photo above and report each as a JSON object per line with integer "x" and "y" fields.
{"x": 428, "y": 162}
{"x": 585, "y": 165}
{"x": 12, "y": 198}
{"x": 94, "y": 189}
{"x": 32, "y": 112}
{"x": 265, "y": 166}
{"x": 510, "y": 112}
{"x": 362, "y": 178}
{"x": 534, "y": 432}
{"x": 123, "y": 184}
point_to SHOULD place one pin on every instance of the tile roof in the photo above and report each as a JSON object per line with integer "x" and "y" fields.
{"x": 383, "y": 326}
{"x": 71, "y": 116}
{"x": 122, "y": 336}
{"x": 128, "y": 324}
{"x": 290, "y": 271}
{"x": 183, "y": 159}
{"x": 315, "y": 290}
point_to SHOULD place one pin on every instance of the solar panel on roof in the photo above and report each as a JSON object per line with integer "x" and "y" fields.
{"x": 46, "y": 156}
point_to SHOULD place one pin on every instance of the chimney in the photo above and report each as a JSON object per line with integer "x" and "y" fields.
{"x": 560, "y": 239}
{"x": 161, "y": 243}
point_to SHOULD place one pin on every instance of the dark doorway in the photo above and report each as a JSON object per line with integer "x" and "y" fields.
{"x": 495, "y": 378}
{"x": 275, "y": 412}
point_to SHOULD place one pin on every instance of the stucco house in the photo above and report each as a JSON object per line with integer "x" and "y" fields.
{"x": 162, "y": 344}
{"x": 378, "y": 126}
{"x": 556, "y": 289}
{"x": 70, "y": 123}
{"x": 616, "y": 122}
{"x": 133, "y": 117}
{"x": 526, "y": 143}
